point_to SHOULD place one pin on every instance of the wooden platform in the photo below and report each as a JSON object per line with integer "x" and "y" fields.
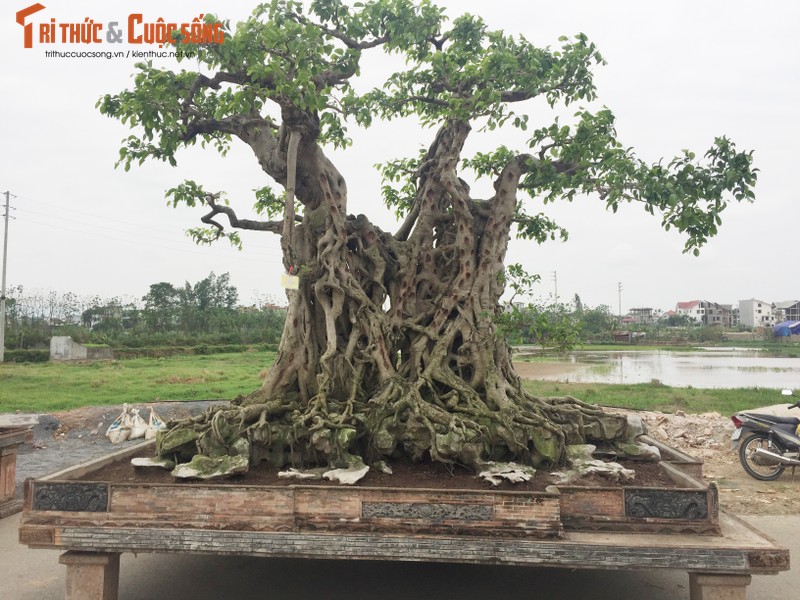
{"x": 719, "y": 566}
{"x": 95, "y": 524}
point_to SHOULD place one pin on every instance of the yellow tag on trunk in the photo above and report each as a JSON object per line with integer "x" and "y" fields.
{"x": 290, "y": 282}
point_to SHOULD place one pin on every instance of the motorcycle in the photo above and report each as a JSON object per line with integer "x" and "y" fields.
{"x": 767, "y": 443}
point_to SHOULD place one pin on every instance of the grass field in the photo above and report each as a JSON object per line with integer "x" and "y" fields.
{"x": 656, "y": 396}
{"x": 47, "y": 387}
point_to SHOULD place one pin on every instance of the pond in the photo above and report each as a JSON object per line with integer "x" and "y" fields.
{"x": 709, "y": 368}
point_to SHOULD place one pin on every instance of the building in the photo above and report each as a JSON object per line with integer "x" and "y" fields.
{"x": 720, "y": 314}
{"x": 642, "y": 315}
{"x": 708, "y": 313}
{"x": 756, "y": 313}
{"x": 693, "y": 309}
{"x": 788, "y": 310}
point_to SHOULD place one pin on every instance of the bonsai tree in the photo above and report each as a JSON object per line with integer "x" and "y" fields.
{"x": 391, "y": 345}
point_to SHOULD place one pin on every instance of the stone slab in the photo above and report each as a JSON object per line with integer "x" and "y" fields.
{"x": 13, "y": 420}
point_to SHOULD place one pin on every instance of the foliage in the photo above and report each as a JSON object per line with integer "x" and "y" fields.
{"x": 20, "y": 356}
{"x": 304, "y": 61}
{"x": 551, "y": 328}
{"x": 184, "y": 316}
{"x": 596, "y": 324}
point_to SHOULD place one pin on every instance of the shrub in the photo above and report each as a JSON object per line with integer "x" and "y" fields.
{"x": 21, "y": 356}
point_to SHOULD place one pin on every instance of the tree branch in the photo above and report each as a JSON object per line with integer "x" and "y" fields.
{"x": 236, "y": 222}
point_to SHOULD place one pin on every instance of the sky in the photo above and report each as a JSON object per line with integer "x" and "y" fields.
{"x": 679, "y": 74}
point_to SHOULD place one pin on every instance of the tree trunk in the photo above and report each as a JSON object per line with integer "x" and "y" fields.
{"x": 390, "y": 346}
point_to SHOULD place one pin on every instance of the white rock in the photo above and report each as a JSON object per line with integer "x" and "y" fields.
{"x": 496, "y": 473}
{"x": 161, "y": 463}
{"x": 610, "y": 470}
{"x": 314, "y": 474}
{"x": 203, "y": 467}
{"x": 636, "y": 427}
{"x": 347, "y": 476}
{"x": 641, "y": 451}
{"x": 382, "y": 467}
{"x": 580, "y": 452}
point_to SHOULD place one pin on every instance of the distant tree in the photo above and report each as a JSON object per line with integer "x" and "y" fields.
{"x": 578, "y": 306}
{"x": 680, "y": 321}
{"x": 597, "y": 323}
{"x": 211, "y": 293}
{"x": 160, "y": 307}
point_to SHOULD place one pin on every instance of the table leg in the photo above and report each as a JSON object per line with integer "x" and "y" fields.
{"x": 91, "y": 575}
{"x": 704, "y": 586}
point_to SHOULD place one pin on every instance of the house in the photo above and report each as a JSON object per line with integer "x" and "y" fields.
{"x": 719, "y": 314}
{"x": 788, "y": 310}
{"x": 708, "y": 313}
{"x": 641, "y": 315}
{"x": 693, "y": 309}
{"x": 756, "y": 313}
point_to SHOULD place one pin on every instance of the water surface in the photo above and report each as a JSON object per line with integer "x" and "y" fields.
{"x": 713, "y": 368}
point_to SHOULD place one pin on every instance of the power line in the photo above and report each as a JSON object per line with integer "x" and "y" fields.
{"x": 268, "y": 254}
{"x": 95, "y": 216}
{"x": 138, "y": 243}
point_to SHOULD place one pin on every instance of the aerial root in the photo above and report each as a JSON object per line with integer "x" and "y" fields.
{"x": 411, "y": 420}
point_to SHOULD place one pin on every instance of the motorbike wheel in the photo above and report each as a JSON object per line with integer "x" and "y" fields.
{"x": 757, "y": 467}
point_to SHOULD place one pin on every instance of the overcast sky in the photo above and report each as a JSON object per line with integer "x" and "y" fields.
{"x": 679, "y": 73}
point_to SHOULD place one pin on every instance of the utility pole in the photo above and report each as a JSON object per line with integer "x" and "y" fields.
{"x": 3, "y": 288}
{"x": 555, "y": 280}
{"x": 619, "y": 293}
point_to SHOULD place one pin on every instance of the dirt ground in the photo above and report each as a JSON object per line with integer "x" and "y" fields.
{"x": 706, "y": 437}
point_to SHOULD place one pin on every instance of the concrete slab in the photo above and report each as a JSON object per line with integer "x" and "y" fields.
{"x": 14, "y": 421}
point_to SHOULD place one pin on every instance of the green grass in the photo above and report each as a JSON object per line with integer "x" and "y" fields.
{"x": 640, "y": 348}
{"x": 46, "y": 387}
{"x": 656, "y": 396}
{"x": 53, "y": 386}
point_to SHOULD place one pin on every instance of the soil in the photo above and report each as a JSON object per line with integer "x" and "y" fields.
{"x": 705, "y": 437}
{"x": 404, "y": 475}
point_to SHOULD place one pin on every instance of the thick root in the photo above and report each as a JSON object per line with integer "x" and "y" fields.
{"x": 402, "y": 420}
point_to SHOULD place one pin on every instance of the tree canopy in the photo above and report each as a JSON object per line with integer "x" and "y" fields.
{"x": 290, "y": 67}
{"x": 390, "y": 345}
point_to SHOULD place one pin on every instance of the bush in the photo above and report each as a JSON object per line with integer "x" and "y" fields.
{"x": 22, "y": 356}
{"x": 199, "y": 350}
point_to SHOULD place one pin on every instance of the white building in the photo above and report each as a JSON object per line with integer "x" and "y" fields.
{"x": 693, "y": 309}
{"x": 707, "y": 313}
{"x": 756, "y": 313}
